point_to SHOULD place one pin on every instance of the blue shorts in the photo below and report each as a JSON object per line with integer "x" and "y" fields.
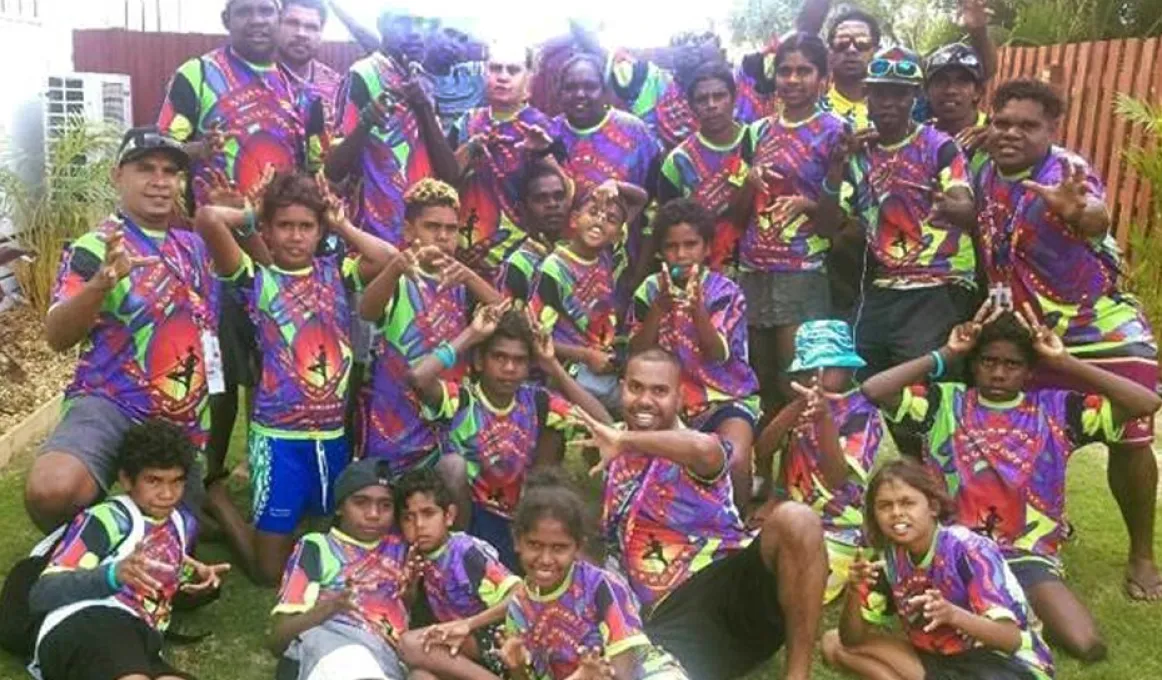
{"x": 290, "y": 477}
{"x": 497, "y": 530}
{"x": 713, "y": 417}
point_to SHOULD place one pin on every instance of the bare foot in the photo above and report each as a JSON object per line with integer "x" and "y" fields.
{"x": 1143, "y": 583}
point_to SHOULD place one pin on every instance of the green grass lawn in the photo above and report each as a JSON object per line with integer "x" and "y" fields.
{"x": 238, "y": 621}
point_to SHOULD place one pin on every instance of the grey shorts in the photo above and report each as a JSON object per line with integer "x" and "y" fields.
{"x": 334, "y": 650}
{"x": 91, "y": 430}
{"x": 785, "y": 298}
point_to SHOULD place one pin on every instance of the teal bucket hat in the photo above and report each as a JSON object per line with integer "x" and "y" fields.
{"x": 824, "y": 344}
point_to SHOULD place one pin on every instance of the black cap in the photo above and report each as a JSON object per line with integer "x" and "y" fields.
{"x": 360, "y": 475}
{"x": 956, "y": 55}
{"x": 141, "y": 141}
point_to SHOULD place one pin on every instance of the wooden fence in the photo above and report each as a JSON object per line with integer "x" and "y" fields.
{"x": 1091, "y": 75}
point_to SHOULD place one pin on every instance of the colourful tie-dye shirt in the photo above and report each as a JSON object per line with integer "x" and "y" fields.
{"x": 970, "y": 572}
{"x": 417, "y": 319}
{"x": 575, "y": 298}
{"x": 497, "y": 443}
{"x": 464, "y": 577}
{"x": 853, "y": 112}
{"x": 322, "y": 83}
{"x": 652, "y": 94}
{"x": 711, "y": 175}
{"x": 302, "y": 323}
{"x": 861, "y": 438}
{"x": 265, "y": 118}
{"x": 664, "y": 523}
{"x": 892, "y": 201}
{"x": 1070, "y": 280}
{"x": 705, "y": 383}
{"x": 96, "y": 536}
{"x": 1004, "y": 463}
{"x": 395, "y": 156}
{"x": 492, "y": 190}
{"x": 144, "y": 352}
{"x": 463, "y": 88}
{"x": 325, "y": 566}
{"x": 754, "y": 80}
{"x": 800, "y": 153}
{"x": 518, "y": 275}
{"x": 592, "y": 608}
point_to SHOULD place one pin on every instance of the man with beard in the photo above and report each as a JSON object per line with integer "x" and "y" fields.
{"x": 300, "y": 33}
{"x": 716, "y": 595}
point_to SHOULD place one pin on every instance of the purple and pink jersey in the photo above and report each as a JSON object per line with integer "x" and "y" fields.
{"x": 754, "y": 79}
{"x": 890, "y": 191}
{"x": 395, "y": 156}
{"x": 799, "y": 153}
{"x": 664, "y": 524}
{"x": 705, "y": 383}
{"x": 144, "y": 353}
{"x": 464, "y": 577}
{"x": 970, "y": 572}
{"x": 1071, "y": 281}
{"x": 322, "y": 83}
{"x": 575, "y": 298}
{"x": 1004, "y": 463}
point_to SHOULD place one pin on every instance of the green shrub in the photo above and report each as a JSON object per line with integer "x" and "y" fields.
{"x": 1145, "y": 273}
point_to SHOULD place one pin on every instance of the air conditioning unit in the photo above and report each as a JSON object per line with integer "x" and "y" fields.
{"x": 96, "y": 97}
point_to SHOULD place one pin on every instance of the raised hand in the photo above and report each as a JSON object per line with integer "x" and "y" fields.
{"x": 336, "y": 213}
{"x": 543, "y": 346}
{"x": 220, "y": 191}
{"x": 974, "y": 15}
{"x": 478, "y": 147}
{"x": 1047, "y": 343}
{"x": 937, "y": 610}
{"x": 209, "y": 576}
{"x": 606, "y": 192}
{"x": 257, "y": 193}
{"x": 1068, "y": 199}
{"x": 118, "y": 262}
{"x": 850, "y": 144}
{"x": 607, "y": 440}
{"x": 599, "y": 361}
{"x": 414, "y": 93}
{"x": 863, "y": 573}
{"x": 972, "y": 138}
{"x": 453, "y": 273}
{"x": 487, "y": 318}
{"x": 136, "y": 571}
{"x": 536, "y": 138}
{"x": 451, "y": 635}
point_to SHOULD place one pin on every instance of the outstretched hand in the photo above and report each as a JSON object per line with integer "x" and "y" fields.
{"x": 118, "y": 262}
{"x": 606, "y": 439}
{"x": 964, "y": 336}
{"x": 487, "y": 318}
{"x": 937, "y": 610}
{"x": 1067, "y": 199}
{"x": 209, "y": 576}
{"x": 974, "y": 15}
{"x": 536, "y": 138}
{"x": 1047, "y": 343}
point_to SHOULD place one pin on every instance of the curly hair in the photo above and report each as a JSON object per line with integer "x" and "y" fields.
{"x": 682, "y": 211}
{"x": 421, "y": 481}
{"x": 290, "y": 189}
{"x": 156, "y": 444}
{"x": 549, "y": 495}
{"x": 1030, "y": 89}
{"x": 429, "y": 193}
{"x": 873, "y": 24}
{"x": 1006, "y": 328}
{"x": 513, "y": 325}
{"x": 912, "y": 474}
{"x": 712, "y": 70}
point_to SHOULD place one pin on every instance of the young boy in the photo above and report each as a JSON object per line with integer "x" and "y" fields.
{"x": 544, "y": 215}
{"x": 576, "y": 291}
{"x": 422, "y": 297}
{"x": 1002, "y": 450}
{"x": 108, "y": 587}
{"x": 464, "y": 585}
{"x": 343, "y": 602}
{"x": 298, "y": 303}
{"x": 830, "y": 437}
{"x": 500, "y": 424}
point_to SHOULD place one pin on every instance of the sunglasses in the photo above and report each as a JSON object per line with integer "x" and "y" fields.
{"x": 844, "y": 43}
{"x": 903, "y": 69}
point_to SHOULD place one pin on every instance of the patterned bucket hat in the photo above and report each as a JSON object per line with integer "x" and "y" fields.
{"x": 895, "y": 65}
{"x": 824, "y": 344}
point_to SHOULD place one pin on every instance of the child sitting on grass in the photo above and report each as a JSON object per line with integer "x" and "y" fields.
{"x": 108, "y": 589}
{"x": 463, "y": 584}
{"x": 699, "y": 316}
{"x": 833, "y": 437}
{"x": 343, "y": 602}
{"x": 962, "y": 611}
{"x": 572, "y": 620}
{"x": 499, "y": 423}
{"x": 1002, "y": 450}
{"x": 575, "y": 295}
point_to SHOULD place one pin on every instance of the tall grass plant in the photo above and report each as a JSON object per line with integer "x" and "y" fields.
{"x": 1145, "y": 274}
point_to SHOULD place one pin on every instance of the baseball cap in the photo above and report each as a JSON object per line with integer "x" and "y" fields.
{"x": 360, "y": 475}
{"x": 825, "y": 343}
{"x": 953, "y": 56}
{"x": 140, "y": 141}
{"x": 895, "y": 65}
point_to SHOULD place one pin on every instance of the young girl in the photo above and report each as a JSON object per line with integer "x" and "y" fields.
{"x": 794, "y": 212}
{"x": 571, "y": 620}
{"x": 298, "y": 303}
{"x": 699, "y": 315}
{"x": 575, "y": 294}
{"x": 962, "y": 611}
{"x": 421, "y": 298}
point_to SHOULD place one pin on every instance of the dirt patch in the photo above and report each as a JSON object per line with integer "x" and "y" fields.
{"x": 30, "y": 372}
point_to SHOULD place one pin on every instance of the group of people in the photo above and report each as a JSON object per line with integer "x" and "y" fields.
{"x": 690, "y": 272}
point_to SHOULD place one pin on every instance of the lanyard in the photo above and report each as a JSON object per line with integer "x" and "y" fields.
{"x": 155, "y": 250}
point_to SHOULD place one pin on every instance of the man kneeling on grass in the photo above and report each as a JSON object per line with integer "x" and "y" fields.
{"x": 108, "y": 588}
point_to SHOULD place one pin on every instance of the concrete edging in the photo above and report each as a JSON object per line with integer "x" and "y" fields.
{"x": 32, "y": 428}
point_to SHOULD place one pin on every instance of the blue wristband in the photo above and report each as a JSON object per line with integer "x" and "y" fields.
{"x": 829, "y": 191}
{"x": 938, "y": 370}
{"x": 446, "y": 354}
{"x": 111, "y": 576}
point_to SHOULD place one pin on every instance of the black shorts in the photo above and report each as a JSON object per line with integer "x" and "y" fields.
{"x": 895, "y": 326}
{"x": 237, "y": 338}
{"x": 1033, "y": 570}
{"x": 725, "y": 620}
{"x": 100, "y": 643}
{"x": 976, "y": 664}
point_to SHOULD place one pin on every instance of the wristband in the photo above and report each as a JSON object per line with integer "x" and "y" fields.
{"x": 250, "y": 226}
{"x": 829, "y": 191}
{"x": 111, "y": 576}
{"x": 938, "y": 370}
{"x": 446, "y": 354}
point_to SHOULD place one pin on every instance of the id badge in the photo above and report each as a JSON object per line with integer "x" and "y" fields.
{"x": 212, "y": 355}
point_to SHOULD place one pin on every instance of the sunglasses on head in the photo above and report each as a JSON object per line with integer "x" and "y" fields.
{"x": 844, "y": 43}
{"x": 903, "y": 69}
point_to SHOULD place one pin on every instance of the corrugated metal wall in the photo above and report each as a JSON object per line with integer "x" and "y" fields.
{"x": 151, "y": 58}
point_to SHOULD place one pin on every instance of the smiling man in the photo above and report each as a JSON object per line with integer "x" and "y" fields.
{"x": 300, "y": 34}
